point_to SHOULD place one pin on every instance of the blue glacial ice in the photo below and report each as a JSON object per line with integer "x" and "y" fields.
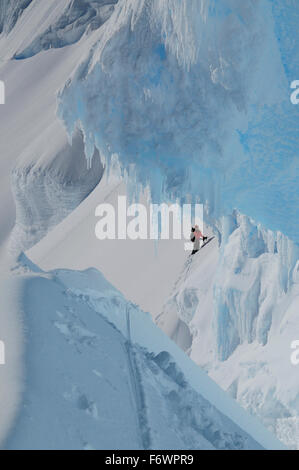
{"x": 194, "y": 98}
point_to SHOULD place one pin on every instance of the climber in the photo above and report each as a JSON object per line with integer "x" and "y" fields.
{"x": 195, "y": 237}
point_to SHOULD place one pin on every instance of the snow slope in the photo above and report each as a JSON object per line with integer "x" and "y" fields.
{"x": 192, "y": 296}
{"x": 101, "y": 375}
{"x": 35, "y": 156}
{"x": 10, "y": 13}
{"x": 46, "y": 167}
{"x": 46, "y": 177}
{"x": 143, "y": 270}
{"x": 177, "y": 90}
{"x": 22, "y": 25}
{"x": 75, "y": 20}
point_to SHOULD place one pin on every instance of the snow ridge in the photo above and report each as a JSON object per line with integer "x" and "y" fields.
{"x": 79, "y": 324}
{"x": 190, "y": 94}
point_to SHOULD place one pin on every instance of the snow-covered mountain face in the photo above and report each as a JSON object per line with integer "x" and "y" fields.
{"x": 177, "y": 91}
{"x": 10, "y": 13}
{"x": 48, "y": 191}
{"x": 68, "y": 27}
{"x": 235, "y": 310}
{"x": 50, "y": 175}
{"x": 192, "y": 97}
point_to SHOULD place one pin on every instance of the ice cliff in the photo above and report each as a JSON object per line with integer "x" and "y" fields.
{"x": 10, "y": 12}
{"x": 234, "y": 310}
{"x": 177, "y": 90}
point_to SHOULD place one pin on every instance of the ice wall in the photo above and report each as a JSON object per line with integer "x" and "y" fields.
{"x": 194, "y": 98}
{"x": 255, "y": 270}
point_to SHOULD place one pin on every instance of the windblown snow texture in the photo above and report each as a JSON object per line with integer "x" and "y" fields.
{"x": 45, "y": 193}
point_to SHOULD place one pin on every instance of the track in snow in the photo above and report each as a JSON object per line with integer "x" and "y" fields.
{"x": 137, "y": 390}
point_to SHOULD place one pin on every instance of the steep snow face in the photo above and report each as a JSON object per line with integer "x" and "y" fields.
{"x": 153, "y": 267}
{"x": 177, "y": 89}
{"x": 101, "y": 375}
{"x": 192, "y": 299}
{"x": 10, "y": 12}
{"x": 49, "y": 174}
{"x": 47, "y": 190}
{"x": 256, "y": 269}
{"x": 22, "y": 26}
{"x": 71, "y": 25}
{"x": 238, "y": 303}
{"x": 45, "y": 173}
